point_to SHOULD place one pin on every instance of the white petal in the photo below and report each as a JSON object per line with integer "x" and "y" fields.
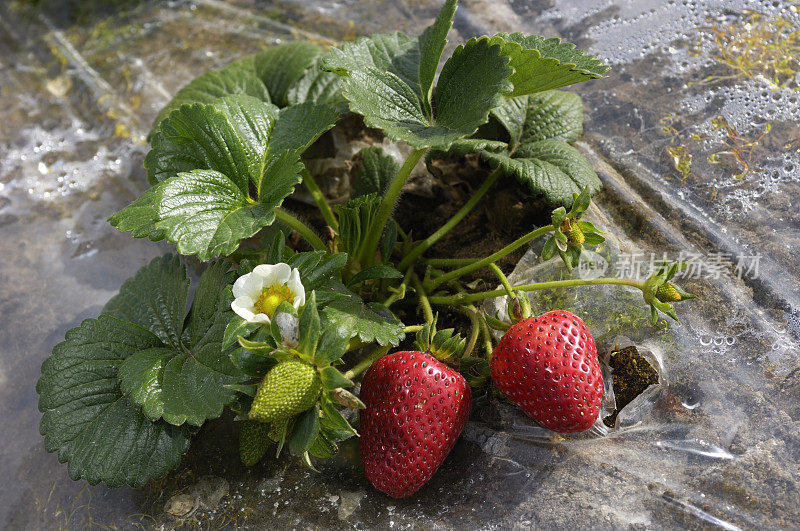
{"x": 297, "y": 288}
{"x": 260, "y": 318}
{"x": 249, "y": 285}
{"x": 243, "y": 307}
{"x": 273, "y": 274}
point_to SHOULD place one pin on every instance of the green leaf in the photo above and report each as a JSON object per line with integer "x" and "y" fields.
{"x": 281, "y": 174}
{"x": 382, "y": 84}
{"x": 551, "y": 115}
{"x": 476, "y": 73}
{"x": 139, "y": 218}
{"x": 300, "y": 125}
{"x": 376, "y": 271}
{"x": 186, "y": 383}
{"x": 205, "y": 213}
{"x": 551, "y": 168}
{"x": 396, "y": 53}
{"x": 305, "y": 431}
{"x": 229, "y": 136}
{"x": 317, "y": 86}
{"x": 371, "y": 322}
{"x": 155, "y": 299}
{"x": 332, "y": 379}
{"x": 280, "y": 67}
{"x": 376, "y": 172}
{"x": 209, "y": 297}
{"x": 309, "y": 327}
{"x": 238, "y": 77}
{"x": 387, "y": 102}
{"x": 88, "y": 420}
{"x": 431, "y": 45}
{"x": 542, "y": 64}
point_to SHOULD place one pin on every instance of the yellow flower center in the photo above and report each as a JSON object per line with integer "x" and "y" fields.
{"x": 271, "y": 297}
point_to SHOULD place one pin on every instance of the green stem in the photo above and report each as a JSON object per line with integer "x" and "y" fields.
{"x": 487, "y": 339}
{"x": 300, "y": 227}
{"x": 400, "y": 291}
{"x": 510, "y": 248}
{"x": 503, "y": 280}
{"x": 455, "y": 220}
{"x": 445, "y": 262}
{"x": 423, "y": 298}
{"x": 364, "y": 364}
{"x": 497, "y": 324}
{"x": 385, "y": 210}
{"x": 323, "y": 205}
{"x": 474, "y": 331}
{"x": 413, "y": 329}
{"x": 464, "y": 298}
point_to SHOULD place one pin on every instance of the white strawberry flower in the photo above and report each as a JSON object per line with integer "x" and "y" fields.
{"x": 258, "y": 294}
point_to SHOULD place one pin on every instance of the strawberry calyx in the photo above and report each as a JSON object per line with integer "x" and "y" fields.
{"x": 659, "y": 293}
{"x": 445, "y": 345}
{"x": 571, "y": 232}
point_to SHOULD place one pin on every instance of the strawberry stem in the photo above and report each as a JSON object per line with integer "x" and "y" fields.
{"x": 465, "y": 298}
{"x": 303, "y": 229}
{"x": 503, "y": 280}
{"x": 474, "y": 331}
{"x": 365, "y": 364}
{"x": 423, "y": 298}
{"x": 319, "y": 198}
{"x": 444, "y": 262}
{"x": 455, "y": 220}
{"x": 513, "y": 246}
{"x": 367, "y": 253}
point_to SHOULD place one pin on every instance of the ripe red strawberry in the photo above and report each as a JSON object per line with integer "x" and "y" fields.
{"x": 416, "y": 409}
{"x": 548, "y": 366}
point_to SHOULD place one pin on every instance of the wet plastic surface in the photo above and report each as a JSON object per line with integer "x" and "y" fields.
{"x": 697, "y": 144}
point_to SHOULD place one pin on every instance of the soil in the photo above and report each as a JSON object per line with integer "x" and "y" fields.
{"x": 633, "y": 374}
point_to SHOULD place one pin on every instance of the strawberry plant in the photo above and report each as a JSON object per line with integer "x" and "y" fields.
{"x": 280, "y": 334}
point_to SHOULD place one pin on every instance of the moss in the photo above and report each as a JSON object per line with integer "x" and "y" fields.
{"x": 632, "y": 374}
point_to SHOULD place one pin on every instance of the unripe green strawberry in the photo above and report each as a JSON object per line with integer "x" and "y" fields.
{"x": 288, "y": 389}
{"x": 666, "y": 292}
{"x": 575, "y": 235}
{"x": 253, "y": 441}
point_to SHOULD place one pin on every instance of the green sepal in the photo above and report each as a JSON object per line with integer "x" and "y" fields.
{"x": 322, "y": 447}
{"x": 309, "y": 327}
{"x": 259, "y": 348}
{"x": 305, "y": 431}
{"x": 549, "y": 249}
{"x": 333, "y": 343}
{"x": 332, "y": 418}
{"x": 251, "y": 364}
{"x": 375, "y": 272}
{"x": 247, "y": 389}
{"x": 345, "y": 398}
{"x": 253, "y": 441}
{"x": 332, "y": 378}
{"x": 558, "y": 216}
{"x": 238, "y": 327}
